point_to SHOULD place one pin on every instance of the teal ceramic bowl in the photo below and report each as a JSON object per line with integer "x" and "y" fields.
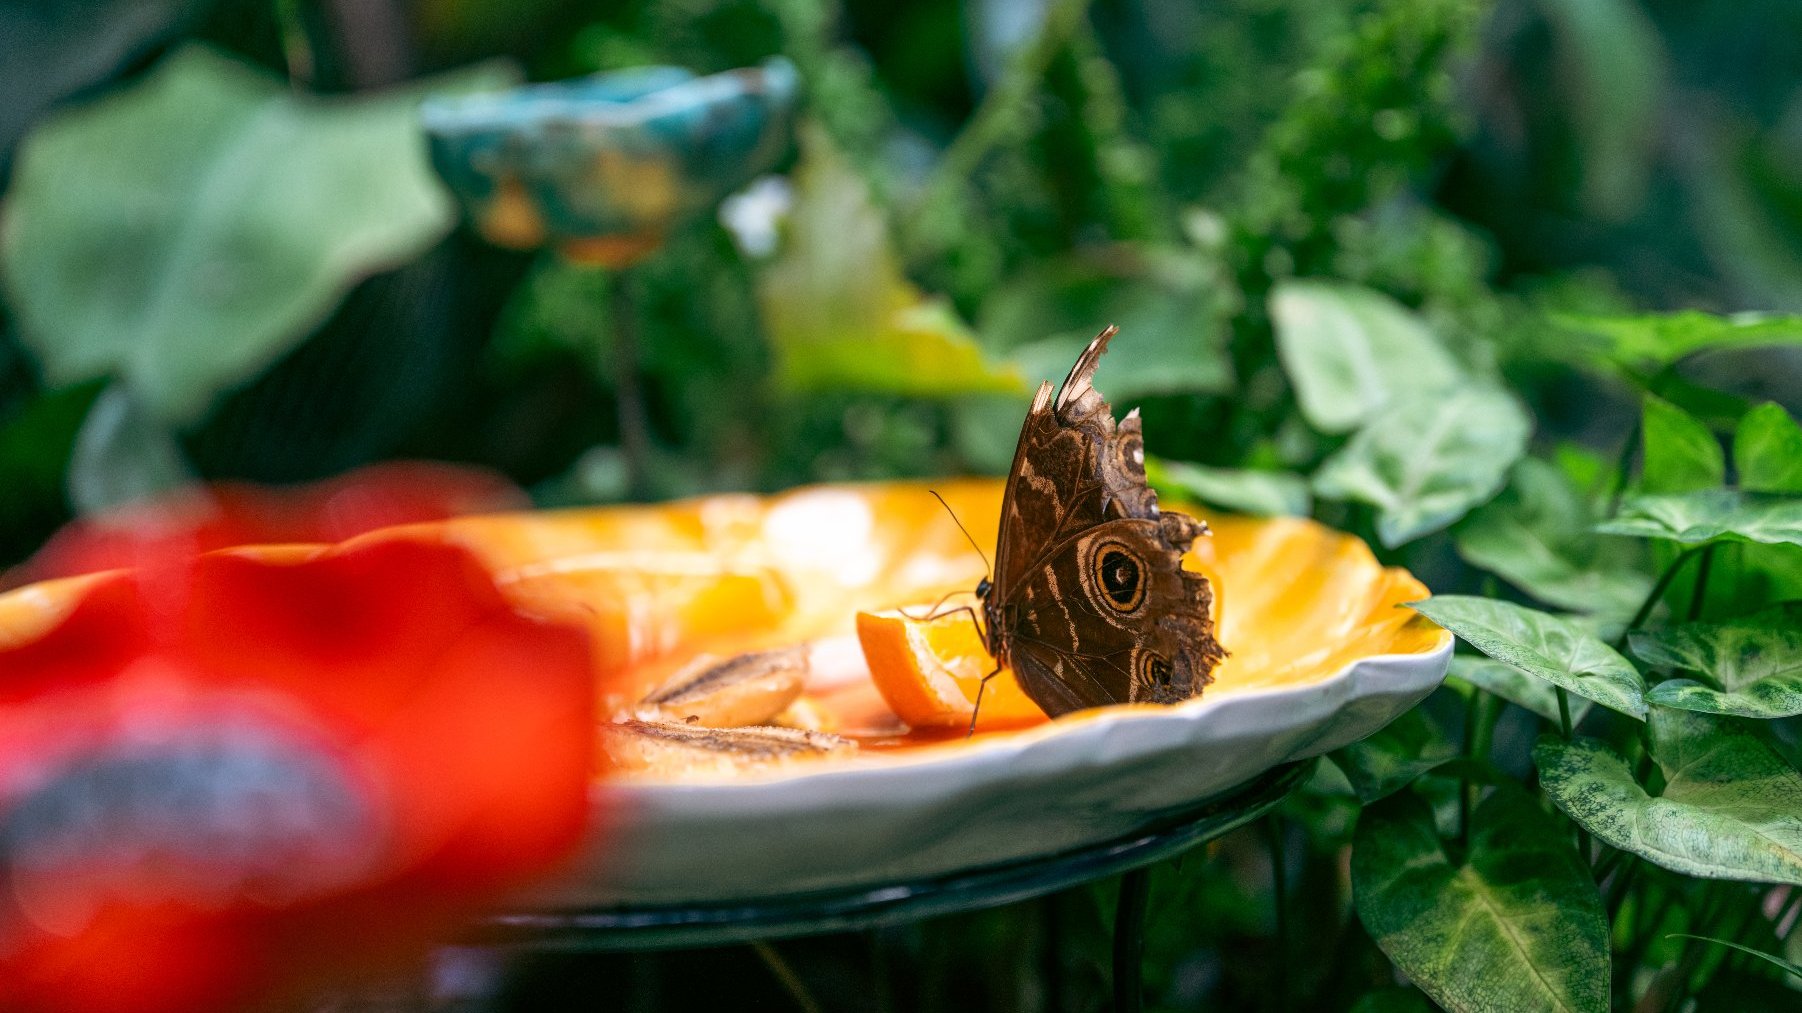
{"x": 604, "y": 167}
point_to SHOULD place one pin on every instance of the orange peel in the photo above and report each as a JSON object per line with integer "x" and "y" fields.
{"x": 931, "y": 670}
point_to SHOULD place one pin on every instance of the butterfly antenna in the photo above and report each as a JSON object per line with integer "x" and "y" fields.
{"x": 960, "y": 526}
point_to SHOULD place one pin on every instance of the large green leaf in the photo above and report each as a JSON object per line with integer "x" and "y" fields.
{"x": 1767, "y": 451}
{"x": 1680, "y": 453}
{"x": 1753, "y": 664}
{"x": 1731, "y": 807}
{"x": 1539, "y": 535}
{"x": 840, "y": 313}
{"x": 1517, "y": 687}
{"x": 1351, "y": 351}
{"x": 1545, "y": 646}
{"x": 1710, "y": 514}
{"x": 1261, "y": 493}
{"x": 1426, "y": 461}
{"x": 1390, "y": 758}
{"x": 182, "y": 234}
{"x": 1517, "y": 926}
{"x": 1651, "y": 341}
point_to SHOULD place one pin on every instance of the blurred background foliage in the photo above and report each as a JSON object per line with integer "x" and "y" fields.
{"x": 1011, "y": 173}
{"x": 1364, "y": 255}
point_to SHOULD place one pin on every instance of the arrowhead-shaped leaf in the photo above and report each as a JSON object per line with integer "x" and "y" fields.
{"x": 1351, "y": 351}
{"x": 1767, "y": 451}
{"x": 1710, "y": 514}
{"x": 1426, "y": 461}
{"x": 1544, "y": 646}
{"x": 1753, "y": 665}
{"x": 184, "y": 233}
{"x": 1539, "y": 535}
{"x": 1731, "y": 807}
{"x": 1679, "y": 453}
{"x": 1517, "y": 926}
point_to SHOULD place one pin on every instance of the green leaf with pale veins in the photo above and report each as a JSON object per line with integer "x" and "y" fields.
{"x": 1752, "y": 665}
{"x": 1539, "y": 535}
{"x": 1712, "y": 513}
{"x": 1517, "y": 687}
{"x": 1679, "y": 454}
{"x": 1259, "y": 493}
{"x": 1351, "y": 351}
{"x": 1517, "y": 926}
{"x": 1731, "y": 807}
{"x": 182, "y": 234}
{"x": 1426, "y": 461}
{"x": 1767, "y": 451}
{"x": 1543, "y": 646}
{"x": 1389, "y": 759}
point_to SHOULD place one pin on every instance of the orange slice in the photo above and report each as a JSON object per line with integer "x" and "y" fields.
{"x": 929, "y": 672}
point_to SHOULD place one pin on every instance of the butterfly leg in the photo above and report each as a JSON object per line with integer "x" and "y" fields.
{"x": 984, "y": 684}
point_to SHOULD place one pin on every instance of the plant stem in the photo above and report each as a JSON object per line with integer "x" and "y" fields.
{"x": 791, "y": 982}
{"x": 1621, "y": 468}
{"x": 1129, "y": 941}
{"x": 1700, "y": 593}
{"x": 628, "y": 393}
{"x": 1564, "y": 723}
{"x": 1657, "y": 592}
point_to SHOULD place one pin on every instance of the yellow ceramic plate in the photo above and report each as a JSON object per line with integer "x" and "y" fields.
{"x": 1321, "y": 656}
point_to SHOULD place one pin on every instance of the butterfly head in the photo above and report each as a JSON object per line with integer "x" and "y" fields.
{"x": 983, "y": 587}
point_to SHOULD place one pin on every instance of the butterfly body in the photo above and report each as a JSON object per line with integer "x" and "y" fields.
{"x": 1089, "y": 604}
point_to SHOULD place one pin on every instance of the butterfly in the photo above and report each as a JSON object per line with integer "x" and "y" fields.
{"x": 1089, "y": 603}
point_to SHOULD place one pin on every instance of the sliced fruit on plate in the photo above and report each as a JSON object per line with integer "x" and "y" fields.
{"x": 929, "y": 671}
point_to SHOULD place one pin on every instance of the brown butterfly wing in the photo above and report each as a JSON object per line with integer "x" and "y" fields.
{"x": 1091, "y": 605}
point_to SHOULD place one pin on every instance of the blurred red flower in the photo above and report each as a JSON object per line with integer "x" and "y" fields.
{"x": 224, "y": 514}
{"x": 226, "y": 780}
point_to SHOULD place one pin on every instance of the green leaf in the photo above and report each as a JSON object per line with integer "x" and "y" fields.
{"x": 1728, "y": 811}
{"x": 1680, "y": 454}
{"x": 182, "y": 234}
{"x": 1389, "y": 759}
{"x": 1517, "y": 925}
{"x": 840, "y": 313}
{"x": 1539, "y": 535}
{"x": 1351, "y": 351}
{"x": 1789, "y": 968}
{"x": 1544, "y": 646}
{"x": 1710, "y": 514}
{"x": 1517, "y": 687}
{"x": 1426, "y": 461}
{"x": 1753, "y": 664}
{"x": 1653, "y": 341}
{"x": 1767, "y": 451}
{"x": 1260, "y": 493}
